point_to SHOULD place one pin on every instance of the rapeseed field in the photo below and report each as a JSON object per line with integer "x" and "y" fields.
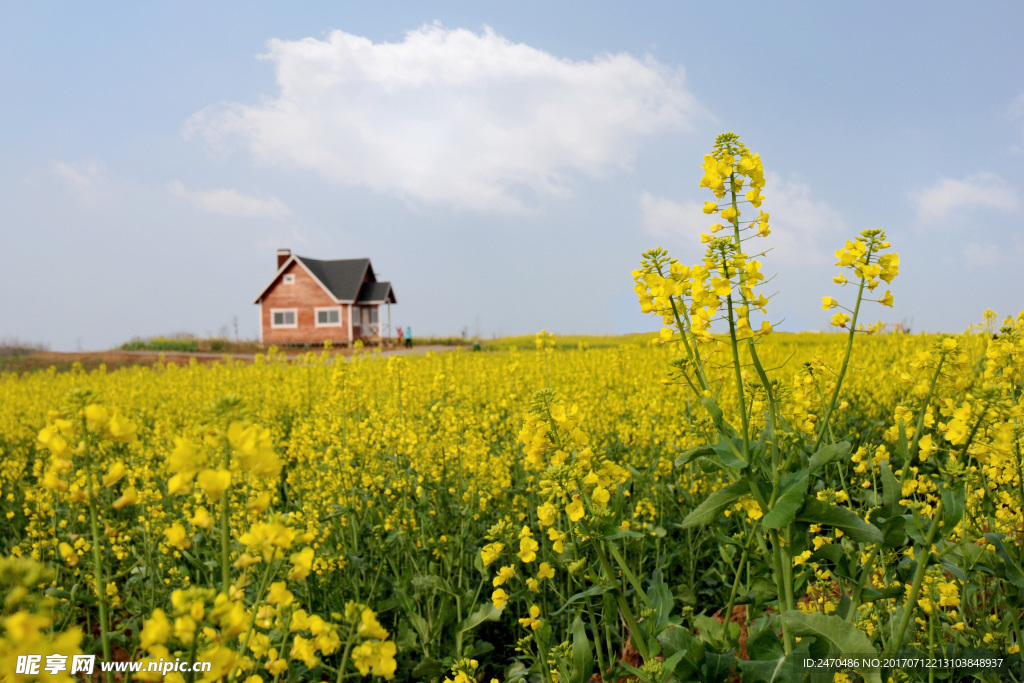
{"x": 721, "y": 502}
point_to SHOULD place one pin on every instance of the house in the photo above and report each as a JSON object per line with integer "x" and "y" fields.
{"x": 309, "y": 301}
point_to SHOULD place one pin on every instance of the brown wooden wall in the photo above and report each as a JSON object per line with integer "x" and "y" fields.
{"x": 305, "y": 296}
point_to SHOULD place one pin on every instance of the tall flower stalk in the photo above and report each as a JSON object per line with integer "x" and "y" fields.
{"x": 769, "y": 464}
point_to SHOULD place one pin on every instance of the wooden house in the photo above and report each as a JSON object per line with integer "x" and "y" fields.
{"x": 309, "y": 301}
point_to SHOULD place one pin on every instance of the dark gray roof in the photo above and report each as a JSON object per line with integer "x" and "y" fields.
{"x": 342, "y": 277}
{"x": 376, "y": 292}
{"x": 345, "y": 279}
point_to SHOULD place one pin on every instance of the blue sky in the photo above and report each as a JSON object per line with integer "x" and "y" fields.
{"x": 502, "y": 166}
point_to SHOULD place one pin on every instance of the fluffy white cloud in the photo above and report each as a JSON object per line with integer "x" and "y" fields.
{"x": 664, "y": 218}
{"x": 804, "y": 229}
{"x": 982, "y": 190}
{"x": 88, "y": 180}
{"x": 451, "y": 116}
{"x": 985, "y": 255}
{"x": 231, "y": 203}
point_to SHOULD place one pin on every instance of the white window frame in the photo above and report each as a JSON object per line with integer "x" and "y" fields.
{"x": 295, "y": 315}
{"x": 289, "y": 279}
{"x": 357, "y": 316}
{"x": 316, "y": 316}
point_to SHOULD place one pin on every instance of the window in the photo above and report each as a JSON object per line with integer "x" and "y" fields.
{"x": 373, "y": 315}
{"x": 283, "y": 317}
{"x": 289, "y": 279}
{"x": 328, "y": 317}
{"x": 355, "y": 315}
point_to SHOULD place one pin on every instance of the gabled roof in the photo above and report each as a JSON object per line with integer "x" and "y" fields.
{"x": 376, "y": 293}
{"x": 342, "y": 279}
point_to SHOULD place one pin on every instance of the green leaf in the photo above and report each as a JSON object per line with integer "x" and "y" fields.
{"x": 891, "y": 491}
{"x": 660, "y": 598}
{"x": 902, "y": 448}
{"x": 763, "y": 670}
{"x": 845, "y": 637}
{"x": 707, "y": 512}
{"x": 872, "y": 594}
{"x": 834, "y": 553}
{"x": 713, "y": 632}
{"x": 717, "y": 667}
{"x": 762, "y": 442}
{"x": 1012, "y": 570}
{"x": 730, "y": 452}
{"x": 582, "y": 657}
{"x": 953, "y": 502}
{"x": 951, "y": 567}
{"x": 576, "y": 597}
{"x": 421, "y": 626}
{"x": 639, "y": 673}
{"x": 516, "y": 672}
{"x": 826, "y": 454}
{"x": 693, "y": 453}
{"x": 612, "y": 532}
{"x": 485, "y": 612}
{"x": 480, "y": 647}
{"x": 791, "y": 497}
{"x": 676, "y": 640}
{"x": 717, "y": 416}
{"x": 543, "y": 636}
{"x": 764, "y": 643}
{"x": 428, "y": 668}
{"x": 707, "y": 465}
{"x": 671, "y": 664}
{"x": 817, "y": 512}
{"x": 894, "y": 532}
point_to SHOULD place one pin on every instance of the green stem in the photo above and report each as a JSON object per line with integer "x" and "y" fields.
{"x": 627, "y": 614}
{"x": 736, "y": 367}
{"x": 225, "y": 574}
{"x": 846, "y": 362}
{"x": 192, "y": 658}
{"x": 858, "y": 590}
{"x": 915, "y": 587}
{"x": 750, "y": 342}
{"x": 255, "y": 610}
{"x": 97, "y": 556}
{"x": 739, "y": 574}
{"x": 598, "y": 650}
{"x": 777, "y": 559}
{"x": 348, "y": 650}
{"x": 627, "y": 572}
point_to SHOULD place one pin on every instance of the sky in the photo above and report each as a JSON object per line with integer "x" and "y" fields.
{"x": 503, "y": 165}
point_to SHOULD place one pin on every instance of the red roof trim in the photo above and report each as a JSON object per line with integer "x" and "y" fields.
{"x": 298, "y": 260}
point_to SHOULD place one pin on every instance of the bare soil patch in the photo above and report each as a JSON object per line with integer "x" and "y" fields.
{"x": 117, "y": 358}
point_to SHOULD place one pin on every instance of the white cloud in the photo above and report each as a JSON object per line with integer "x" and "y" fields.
{"x": 982, "y": 255}
{"x": 87, "y": 179}
{"x": 451, "y": 116}
{"x": 803, "y": 229}
{"x": 231, "y": 203}
{"x": 981, "y": 190}
{"x": 664, "y": 218}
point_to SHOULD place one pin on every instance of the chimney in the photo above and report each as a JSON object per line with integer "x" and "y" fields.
{"x": 282, "y": 256}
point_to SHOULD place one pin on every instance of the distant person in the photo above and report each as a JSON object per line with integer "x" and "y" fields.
{"x": 408, "y": 337}
{"x": 401, "y": 335}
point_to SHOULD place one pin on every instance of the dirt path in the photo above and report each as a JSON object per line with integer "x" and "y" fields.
{"x": 116, "y": 358}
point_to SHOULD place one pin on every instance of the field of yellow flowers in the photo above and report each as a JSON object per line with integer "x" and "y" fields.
{"x": 708, "y": 507}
